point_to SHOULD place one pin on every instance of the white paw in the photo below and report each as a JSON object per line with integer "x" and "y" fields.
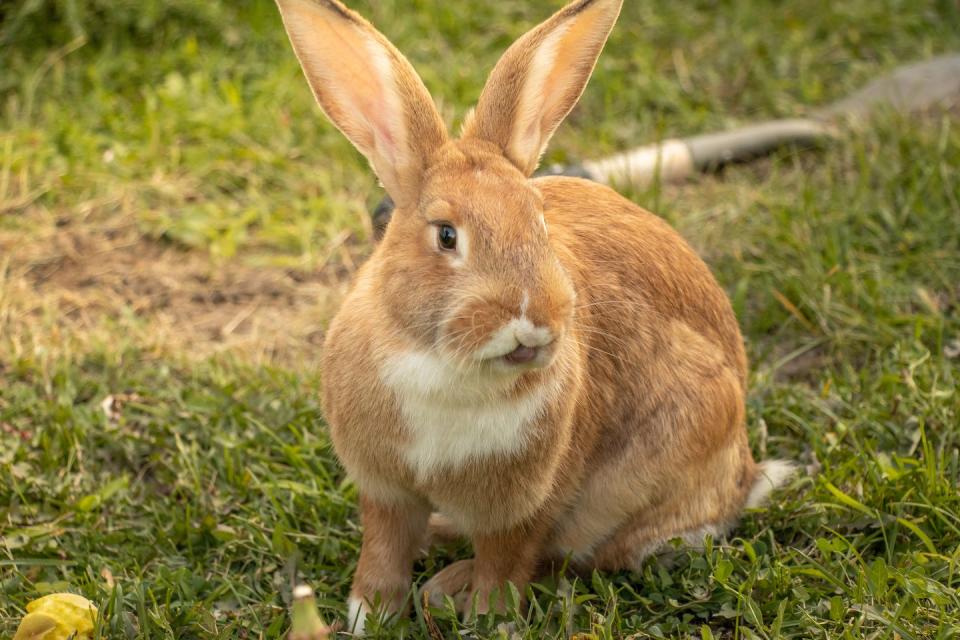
{"x": 357, "y": 611}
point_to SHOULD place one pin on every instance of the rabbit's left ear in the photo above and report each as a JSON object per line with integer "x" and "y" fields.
{"x": 539, "y": 80}
{"x": 369, "y": 91}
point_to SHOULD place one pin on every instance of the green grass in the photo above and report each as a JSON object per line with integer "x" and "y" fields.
{"x": 210, "y": 486}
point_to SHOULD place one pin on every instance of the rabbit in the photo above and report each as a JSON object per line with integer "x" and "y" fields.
{"x": 539, "y": 365}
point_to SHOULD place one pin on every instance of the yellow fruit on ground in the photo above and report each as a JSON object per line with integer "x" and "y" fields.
{"x": 56, "y": 617}
{"x": 35, "y": 626}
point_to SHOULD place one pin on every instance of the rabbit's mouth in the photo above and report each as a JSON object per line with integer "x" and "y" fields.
{"x": 523, "y": 358}
{"x": 522, "y": 355}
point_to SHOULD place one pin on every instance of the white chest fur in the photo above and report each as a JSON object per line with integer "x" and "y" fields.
{"x": 455, "y": 418}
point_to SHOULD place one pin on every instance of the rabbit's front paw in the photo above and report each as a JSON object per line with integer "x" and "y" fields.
{"x": 454, "y": 581}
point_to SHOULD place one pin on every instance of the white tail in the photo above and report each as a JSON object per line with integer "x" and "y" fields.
{"x": 772, "y": 474}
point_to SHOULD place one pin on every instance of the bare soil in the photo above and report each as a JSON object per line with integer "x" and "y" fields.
{"x": 75, "y": 278}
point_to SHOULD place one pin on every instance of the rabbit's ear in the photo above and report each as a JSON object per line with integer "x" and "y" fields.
{"x": 539, "y": 80}
{"x": 369, "y": 91}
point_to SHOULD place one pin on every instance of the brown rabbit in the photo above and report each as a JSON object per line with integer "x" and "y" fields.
{"x": 544, "y": 364}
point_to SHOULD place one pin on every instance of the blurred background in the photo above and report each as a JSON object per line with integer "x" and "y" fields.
{"x": 178, "y": 222}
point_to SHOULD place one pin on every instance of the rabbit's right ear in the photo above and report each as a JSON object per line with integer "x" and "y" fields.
{"x": 539, "y": 80}
{"x": 369, "y": 91}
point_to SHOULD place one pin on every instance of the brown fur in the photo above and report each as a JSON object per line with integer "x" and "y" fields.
{"x": 642, "y": 438}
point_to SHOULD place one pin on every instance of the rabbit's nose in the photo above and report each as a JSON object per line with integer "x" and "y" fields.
{"x": 530, "y": 335}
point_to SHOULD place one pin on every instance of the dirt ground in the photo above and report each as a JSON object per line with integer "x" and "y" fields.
{"x": 96, "y": 279}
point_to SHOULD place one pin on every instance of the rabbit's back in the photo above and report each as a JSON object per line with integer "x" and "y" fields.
{"x": 659, "y": 429}
{"x": 636, "y": 275}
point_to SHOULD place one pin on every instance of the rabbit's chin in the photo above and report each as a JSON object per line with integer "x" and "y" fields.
{"x": 492, "y": 374}
{"x": 519, "y": 361}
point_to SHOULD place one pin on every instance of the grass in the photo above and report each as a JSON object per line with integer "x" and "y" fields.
{"x": 177, "y": 221}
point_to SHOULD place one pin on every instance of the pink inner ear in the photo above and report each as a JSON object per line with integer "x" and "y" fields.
{"x": 378, "y": 103}
{"x": 534, "y": 131}
{"x": 386, "y": 142}
{"x": 372, "y": 104}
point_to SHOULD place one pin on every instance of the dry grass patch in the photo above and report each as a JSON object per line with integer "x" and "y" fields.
{"x": 80, "y": 282}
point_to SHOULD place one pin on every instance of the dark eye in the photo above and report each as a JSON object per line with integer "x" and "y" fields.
{"x": 447, "y": 237}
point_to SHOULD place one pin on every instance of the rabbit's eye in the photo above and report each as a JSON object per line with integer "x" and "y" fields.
{"x": 447, "y": 237}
